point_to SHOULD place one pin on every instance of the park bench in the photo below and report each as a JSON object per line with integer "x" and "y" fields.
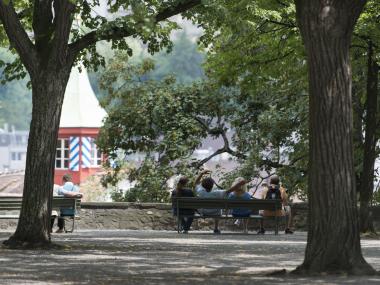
{"x": 225, "y": 205}
{"x": 10, "y": 207}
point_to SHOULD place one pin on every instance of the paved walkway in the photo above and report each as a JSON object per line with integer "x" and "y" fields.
{"x": 158, "y": 257}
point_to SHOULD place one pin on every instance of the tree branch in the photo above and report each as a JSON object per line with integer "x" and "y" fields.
{"x": 42, "y": 18}
{"x": 270, "y": 60}
{"x": 219, "y": 130}
{"x": 63, "y": 10}
{"x": 366, "y": 39}
{"x": 276, "y": 164}
{"x": 289, "y": 25}
{"x": 18, "y": 37}
{"x": 198, "y": 164}
{"x": 114, "y": 33}
{"x": 24, "y": 13}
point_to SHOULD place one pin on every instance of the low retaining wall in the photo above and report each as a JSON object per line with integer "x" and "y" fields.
{"x": 158, "y": 216}
{"x": 120, "y": 215}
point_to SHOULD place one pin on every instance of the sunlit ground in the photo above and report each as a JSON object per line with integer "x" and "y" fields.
{"x": 161, "y": 257}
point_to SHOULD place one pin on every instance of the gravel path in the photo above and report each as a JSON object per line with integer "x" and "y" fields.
{"x": 159, "y": 257}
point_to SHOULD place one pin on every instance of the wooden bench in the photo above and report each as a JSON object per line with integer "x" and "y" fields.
{"x": 11, "y": 204}
{"x": 225, "y": 205}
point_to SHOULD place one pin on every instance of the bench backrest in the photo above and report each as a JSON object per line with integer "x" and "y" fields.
{"x": 199, "y": 203}
{"x": 14, "y": 203}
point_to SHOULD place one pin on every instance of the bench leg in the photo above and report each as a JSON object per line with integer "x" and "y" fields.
{"x": 178, "y": 222}
{"x": 72, "y": 226}
{"x": 276, "y": 231}
{"x": 245, "y": 224}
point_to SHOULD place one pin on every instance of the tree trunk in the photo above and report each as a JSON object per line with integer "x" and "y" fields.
{"x": 333, "y": 243}
{"x": 369, "y": 156}
{"x": 33, "y": 228}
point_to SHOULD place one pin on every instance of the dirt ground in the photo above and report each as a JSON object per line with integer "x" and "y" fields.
{"x": 162, "y": 257}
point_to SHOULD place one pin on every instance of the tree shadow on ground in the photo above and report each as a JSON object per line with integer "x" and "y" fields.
{"x": 148, "y": 257}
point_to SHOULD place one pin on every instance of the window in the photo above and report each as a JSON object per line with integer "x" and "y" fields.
{"x": 62, "y": 154}
{"x": 96, "y": 155}
{"x": 16, "y": 156}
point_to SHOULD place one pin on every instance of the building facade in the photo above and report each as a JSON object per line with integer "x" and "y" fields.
{"x": 81, "y": 119}
{"x": 13, "y": 146}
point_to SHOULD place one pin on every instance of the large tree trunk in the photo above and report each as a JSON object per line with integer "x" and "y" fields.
{"x": 333, "y": 243}
{"x": 369, "y": 155}
{"x": 33, "y": 228}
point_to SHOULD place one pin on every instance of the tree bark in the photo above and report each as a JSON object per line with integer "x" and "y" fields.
{"x": 369, "y": 155}
{"x": 33, "y": 229}
{"x": 333, "y": 244}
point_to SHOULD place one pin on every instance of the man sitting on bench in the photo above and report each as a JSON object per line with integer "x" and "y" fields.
{"x": 68, "y": 189}
{"x": 205, "y": 189}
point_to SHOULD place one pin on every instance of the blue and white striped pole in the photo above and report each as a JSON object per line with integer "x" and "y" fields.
{"x": 86, "y": 152}
{"x": 74, "y": 154}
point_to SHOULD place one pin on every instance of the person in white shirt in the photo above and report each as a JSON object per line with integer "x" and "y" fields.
{"x": 204, "y": 188}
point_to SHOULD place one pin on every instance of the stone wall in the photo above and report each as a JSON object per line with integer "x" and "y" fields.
{"x": 125, "y": 216}
{"x": 158, "y": 216}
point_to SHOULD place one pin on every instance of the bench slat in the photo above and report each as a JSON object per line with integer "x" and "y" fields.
{"x": 14, "y": 203}
{"x": 199, "y": 203}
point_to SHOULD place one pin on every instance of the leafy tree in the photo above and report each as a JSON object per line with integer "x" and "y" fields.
{"x": 163, "y": 119}
{"x": 269, "y": 70}
{"x": 48, "y": 45}
{"x": 365, "y": 101}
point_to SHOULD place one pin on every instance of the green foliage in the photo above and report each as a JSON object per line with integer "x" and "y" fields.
{"x": 366, "y": 34}
{"x": 140, "y": 22}
{"x": 256, "y": 47}
{"x": 152, "y": 117}
{"x": 15, "y": 100}
{"x": 250, "y": 89}
{"x": 144, "y": 116}
{"x": 151, "y": 183}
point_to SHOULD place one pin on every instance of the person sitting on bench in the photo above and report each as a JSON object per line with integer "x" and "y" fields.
{"x": 204, "y": 189}
{"x": 68, "y": 189}
{"x": 240, "y": 193}
{"x": 275, "y": 191}
{"x": 182, "y": 191}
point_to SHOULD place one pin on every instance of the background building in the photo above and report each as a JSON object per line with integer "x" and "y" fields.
{"x": 81, "y": 120}
{"x": 13, "y": 145}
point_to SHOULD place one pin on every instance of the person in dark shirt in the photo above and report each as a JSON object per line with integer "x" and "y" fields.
{"x": 182, "y": 191}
